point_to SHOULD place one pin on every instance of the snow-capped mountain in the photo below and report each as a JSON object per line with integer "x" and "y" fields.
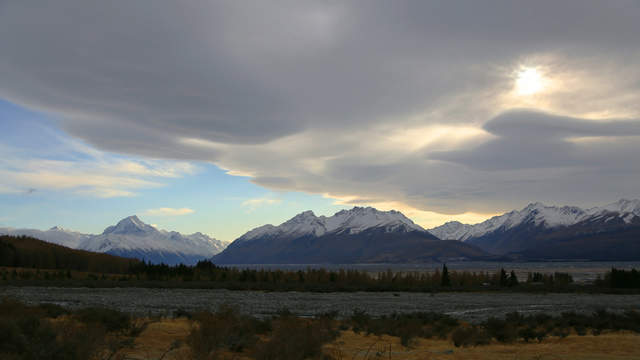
{"x": 55, "y": 235}
{"x": 131, "y": 237}
{"x": 530, "y": 227}
{"x": 351, "y": 221}
{"x": 349, "y": 236}
{"x": 539, "y": 214}
{"x": 536, "y": 213}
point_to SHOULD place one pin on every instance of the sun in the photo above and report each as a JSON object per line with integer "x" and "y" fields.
{"x": 529, "y": 81}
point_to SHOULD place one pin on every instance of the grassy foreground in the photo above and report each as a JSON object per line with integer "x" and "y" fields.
{"x": 152, "y": 344}
{"x": 52, "y": 332}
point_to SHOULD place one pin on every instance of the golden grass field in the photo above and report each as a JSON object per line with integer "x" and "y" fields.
{"x": 166, "y": 337}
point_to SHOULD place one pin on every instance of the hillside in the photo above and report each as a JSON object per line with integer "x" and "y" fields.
{"x": 23, "y": 251}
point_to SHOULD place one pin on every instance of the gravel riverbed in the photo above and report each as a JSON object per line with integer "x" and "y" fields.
{"x": 464, "y": 306}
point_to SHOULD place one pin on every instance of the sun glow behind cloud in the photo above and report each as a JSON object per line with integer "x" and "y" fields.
{"x": 529, "y": 81}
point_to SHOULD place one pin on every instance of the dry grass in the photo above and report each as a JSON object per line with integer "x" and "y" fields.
{"x": 158, "y": 337}
{"x": 607, "y": 346}
{"x": 162, "y": 338}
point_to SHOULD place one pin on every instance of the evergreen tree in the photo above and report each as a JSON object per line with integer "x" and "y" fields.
{"x": 513, "y": 279}
{"x": 504, "y": 280}
{"x": 446, "y": 281}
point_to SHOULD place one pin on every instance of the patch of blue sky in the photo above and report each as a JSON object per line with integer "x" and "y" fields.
{"x": 223, "y": 205}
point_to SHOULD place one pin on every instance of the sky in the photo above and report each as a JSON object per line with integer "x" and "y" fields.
{"x": 220, "y": 116}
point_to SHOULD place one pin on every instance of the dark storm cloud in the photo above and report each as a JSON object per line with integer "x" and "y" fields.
{"x": 297, "y": 93}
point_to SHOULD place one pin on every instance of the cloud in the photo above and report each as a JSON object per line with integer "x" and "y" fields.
{"x": 527, "y": 139}
{"x": 412, "y": 103}
{"x": 165, "y": 211}
{"x": 255, "y": 203}
{"x": 90, "y": 173}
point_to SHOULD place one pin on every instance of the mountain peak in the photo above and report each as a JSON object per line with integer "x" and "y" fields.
{"x": 361, "y": 218}
{"x": 535, "y": 206}
{"x": 305, "y": 215}
{"x": 130, "y": 225}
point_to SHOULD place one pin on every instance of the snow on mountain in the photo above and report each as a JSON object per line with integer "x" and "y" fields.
{"x": 129, "y": 226}
{"x": 351, "y": 221}
{"x": 452, "y": 230}
{"x": 55, "y": 235}
{"x": 355, "y": 236}
{"x": 539, "y": 215}
{"x": 131, "y": 237}
{"x": 628, "y": 210}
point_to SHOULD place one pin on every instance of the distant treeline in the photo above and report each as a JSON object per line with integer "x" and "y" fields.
{"x": 623, "y": 279}
{"x": 341, "y": 280}
{"x": 27, "y": 252}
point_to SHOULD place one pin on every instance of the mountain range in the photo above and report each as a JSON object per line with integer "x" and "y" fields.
{"x": 367, "y": 235}
{"x": 610, "y": 232}
{"x": 359, "y": 235}
{"x": 132, "y": 238}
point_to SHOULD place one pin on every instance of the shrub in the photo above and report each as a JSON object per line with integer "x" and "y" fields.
{"x": 359, "y": 320}
{"x": 226, "y": 328}
{"x": 182, "y": 313}
{"x": 527, "y": 333}
{"x": 53, "y": 310}
{"x": 296, "y": 339}
{"x": 469, "y": 336}
{"x": 112, "y": 320}
{"x": 501, "y": 330}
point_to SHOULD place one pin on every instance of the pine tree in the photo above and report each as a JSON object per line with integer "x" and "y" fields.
{"x": 446, "y": 281}
{"x": 513, "y": 279}
{"x": 504, "y": 280}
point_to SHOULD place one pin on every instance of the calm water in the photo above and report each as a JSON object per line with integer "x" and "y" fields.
{"x": 582, "y": 271}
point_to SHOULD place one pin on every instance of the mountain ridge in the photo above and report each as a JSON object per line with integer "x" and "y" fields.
{"x": 132, "y": 238}
{"x": 357, "y": 235}
{"x": 353, "y": 221}
{"x": 549, "y": 216}
{"x": 551, "y": 232}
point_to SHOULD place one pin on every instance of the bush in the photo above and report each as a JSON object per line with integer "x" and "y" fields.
{"x": 112, "y": 320}
{"x": 53, "y": 310}
{"x": 226, "y": 328}
{"x": 501, "y": 330}
{"x": 296, "y": 339}
{"x": 405, "y": 326}
{"x": 27, "y": 333}
{"x": 182, "y": 313}
{"x": 360, "y": 320}
{"x": 469, "y": 336}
